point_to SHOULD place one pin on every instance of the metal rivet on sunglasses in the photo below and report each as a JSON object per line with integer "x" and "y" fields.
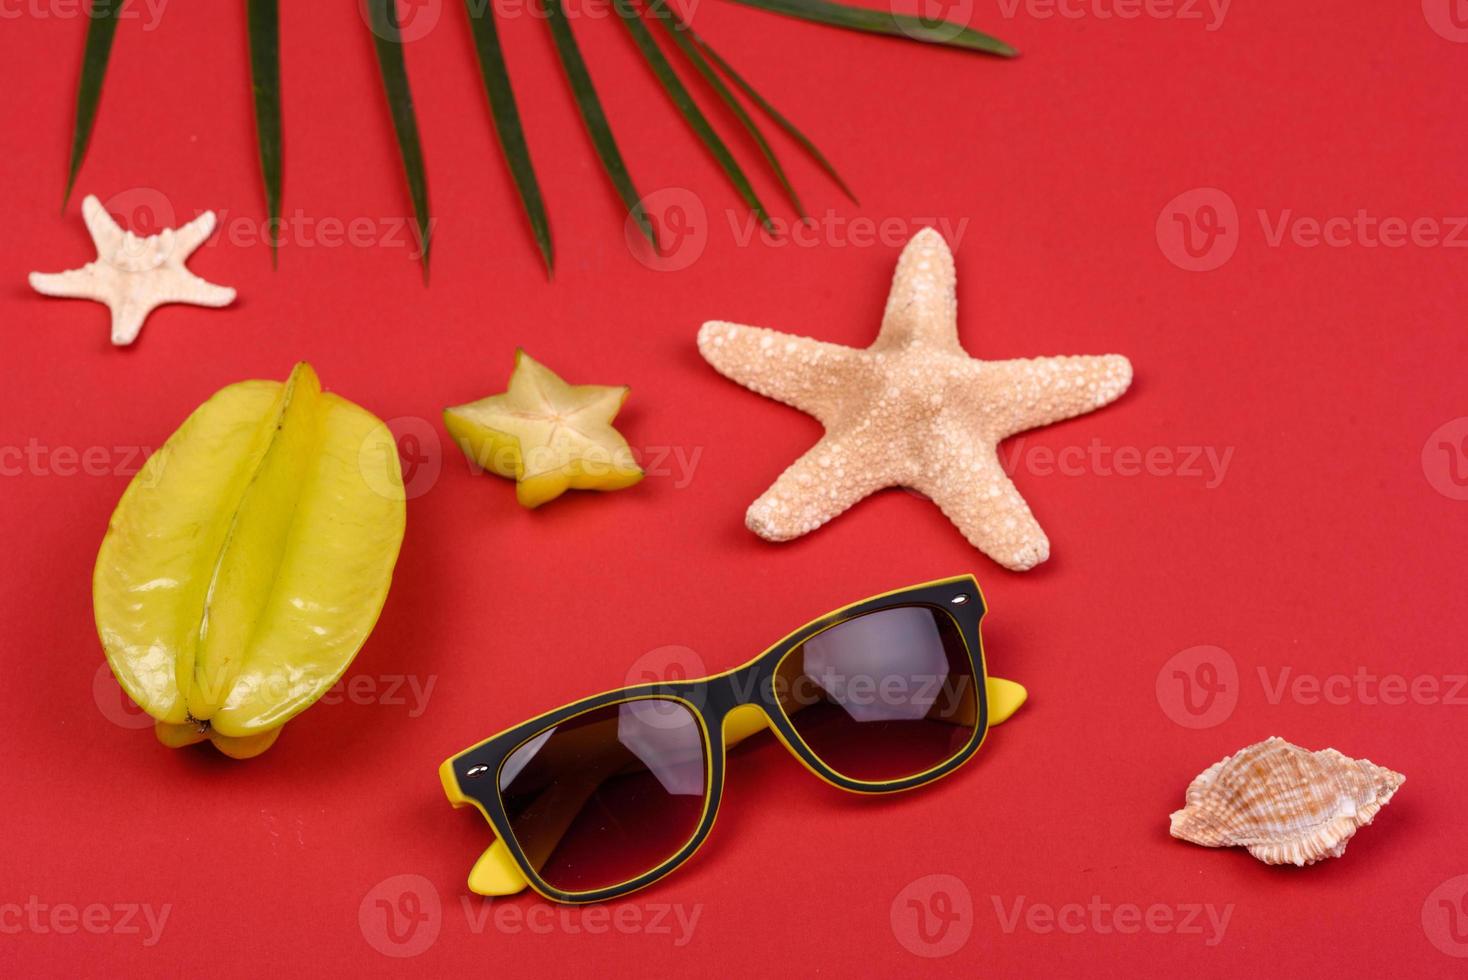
{"x": 476, "y": 771}
{"x": 959, "y": 599}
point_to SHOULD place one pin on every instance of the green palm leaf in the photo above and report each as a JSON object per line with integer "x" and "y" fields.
{"x": 100, "y": 33}
{"x": 679, "y": 32}
{"x": 692, "y": 115}
{"x": 507, "y": 123}
{"x": 388, "y": 38}
{"x": 264, "y": 29}
{"x": 882, "y": 22}
{"x": 773, "y": 113}
{"x": 595, "y": 117}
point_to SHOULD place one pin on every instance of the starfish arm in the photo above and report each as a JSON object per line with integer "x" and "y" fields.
{"x": 973, "y": 491}
{"x": 106, "y": 234}
{"x": 72, "y": 284}
{"x": 830, "y": 477}
{"x": 127, "y": 321}
{"x": 185, "y": 287}
{"x": 1043, "y": 390}
{"x": 922, "y": 307}
{"x": 192, "y": 235}
{"x": 807, "y": 374}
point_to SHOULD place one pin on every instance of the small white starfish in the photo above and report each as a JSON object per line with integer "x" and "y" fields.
{"x": 134, "y": 276}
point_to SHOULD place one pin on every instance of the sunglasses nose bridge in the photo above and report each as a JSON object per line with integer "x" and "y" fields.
{"x": 739, "y": 705}
{"x": 743, "y": 721}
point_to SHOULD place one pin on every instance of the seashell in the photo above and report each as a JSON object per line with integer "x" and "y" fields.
{"x": 1286, "y": 804}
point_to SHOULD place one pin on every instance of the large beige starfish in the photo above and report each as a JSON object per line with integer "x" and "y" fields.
{"x": 133, "y": 276}
{"x": 912, "y": 410}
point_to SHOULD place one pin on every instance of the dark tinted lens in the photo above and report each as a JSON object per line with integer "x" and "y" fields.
{"x": 883, "y": 696}
{"x": 612, "y": 793}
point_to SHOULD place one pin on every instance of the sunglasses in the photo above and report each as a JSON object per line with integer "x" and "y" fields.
{"x": 607, "y": 795}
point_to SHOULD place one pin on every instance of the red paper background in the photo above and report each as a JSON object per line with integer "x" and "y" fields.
{"x": 1331, "y": 545}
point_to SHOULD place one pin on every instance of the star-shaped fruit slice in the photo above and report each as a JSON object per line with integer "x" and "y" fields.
{"x": 912, "y": 410}
{"x": 133, "y": 276}
{"x": 546, "y": 435}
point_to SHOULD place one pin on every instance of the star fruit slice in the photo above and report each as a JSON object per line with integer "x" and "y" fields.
{"x": 248, "y": 560}
{"x": 546, "y": 435}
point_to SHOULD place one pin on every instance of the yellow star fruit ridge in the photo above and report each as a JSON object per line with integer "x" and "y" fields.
{"x": 546, "y": 435}
{"x": 248, "y": 561}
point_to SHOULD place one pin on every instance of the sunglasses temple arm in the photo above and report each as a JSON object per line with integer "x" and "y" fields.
{"x": 1005, "y": 698}
{"x": 496, "y": 873}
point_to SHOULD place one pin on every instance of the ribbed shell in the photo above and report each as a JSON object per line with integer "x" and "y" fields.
{"x": 1286, "y": 804}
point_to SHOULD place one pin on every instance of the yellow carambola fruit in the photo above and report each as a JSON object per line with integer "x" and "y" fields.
{"x": 248, "y": 560}
{"x": 546, "y": 435}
